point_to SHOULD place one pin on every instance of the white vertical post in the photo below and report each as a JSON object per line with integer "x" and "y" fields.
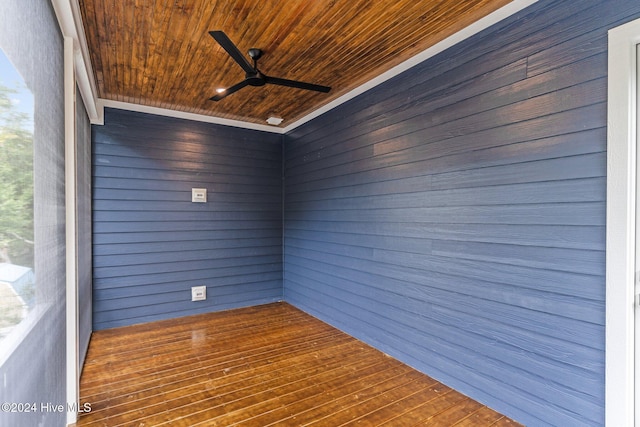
{"x": 71, "y": 231}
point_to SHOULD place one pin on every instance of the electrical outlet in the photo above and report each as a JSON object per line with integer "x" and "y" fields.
{"x": 199, "y": 195}
{"x": 198, "y": 293}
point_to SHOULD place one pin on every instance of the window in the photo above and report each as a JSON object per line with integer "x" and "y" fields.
{"x": 17, "y": 275}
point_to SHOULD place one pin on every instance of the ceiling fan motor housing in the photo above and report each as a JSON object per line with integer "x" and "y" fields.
{"x": 255, "y": 79}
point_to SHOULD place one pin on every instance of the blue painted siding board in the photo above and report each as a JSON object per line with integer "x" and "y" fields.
{"x": 588, "y": 142}
{"x": 441, "y": 174}
{"x": 195, "y": 151}
{"x": 175, "y": 255}
{"x": 528, "y": 322}
{"x": 574, "y": 237}
{"x": 240, "y": 264}
{"x": 571, "y": 307}
{"x": 222, "y": 174}
{"x": 178, "y": 182}
{"x": 197, "y": 214}
{"x": 184, "y": 245}
{"x": 223, "y": 275}
{"x": 552, "y": 214}
{"x": 137, "y": 286}
{"x": 572, "y": 260}
{"x": 589, "y": 117}
{"x": 152, "y": 244}
{"x": 577, "y": 261}
{"x": 568, "y": 191}
{"x": 191, "y": 236}
{"x": 563, "y": 168}
{"x": 191, "y": 160}
{"x": 454, "y": 216}
{"x": 506, "y": 98}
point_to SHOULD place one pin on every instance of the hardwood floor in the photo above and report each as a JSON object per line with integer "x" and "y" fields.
{"x": 259, "y": 366}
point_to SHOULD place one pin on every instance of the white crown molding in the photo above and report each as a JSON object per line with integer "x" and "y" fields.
{"x": 186, "y": 115}
{"x": 70, "y": 21}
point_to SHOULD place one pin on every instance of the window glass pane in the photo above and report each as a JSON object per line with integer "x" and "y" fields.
{"x": 17, "y": 275}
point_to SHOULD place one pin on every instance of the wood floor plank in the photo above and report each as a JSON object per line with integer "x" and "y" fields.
{"x": 259, "y": 366}
{"x": 300, "y": 404}
{"x": 403, "y": 404}
{"x": 456, "y": 413}
{"x": 484, "y": 416}
{"x": 422, "y": 414}
{"x": 364, "y": 411}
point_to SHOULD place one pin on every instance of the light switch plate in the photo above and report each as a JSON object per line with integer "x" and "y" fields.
{"x": 198, "y": 293}
{"x": 199, "y": 195}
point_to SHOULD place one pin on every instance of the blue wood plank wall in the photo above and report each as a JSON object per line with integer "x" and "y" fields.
{"x": 151, "y": 244}
{"x": 454, "y": 217}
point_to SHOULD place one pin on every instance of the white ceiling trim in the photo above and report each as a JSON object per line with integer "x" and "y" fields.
{"x": 70, "y": 21}
{"x": 69, "y": 16}
{"x": 186, "y": 115}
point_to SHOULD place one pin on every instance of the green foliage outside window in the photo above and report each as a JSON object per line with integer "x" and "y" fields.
{"x": 17, "y": 284}
{"x": 16, "y": 176}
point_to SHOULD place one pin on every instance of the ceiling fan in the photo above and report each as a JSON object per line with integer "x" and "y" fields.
{"x": 253, "y": 76}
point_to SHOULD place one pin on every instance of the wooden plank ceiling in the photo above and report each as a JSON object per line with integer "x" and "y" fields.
{"x": 159, "y": 53}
